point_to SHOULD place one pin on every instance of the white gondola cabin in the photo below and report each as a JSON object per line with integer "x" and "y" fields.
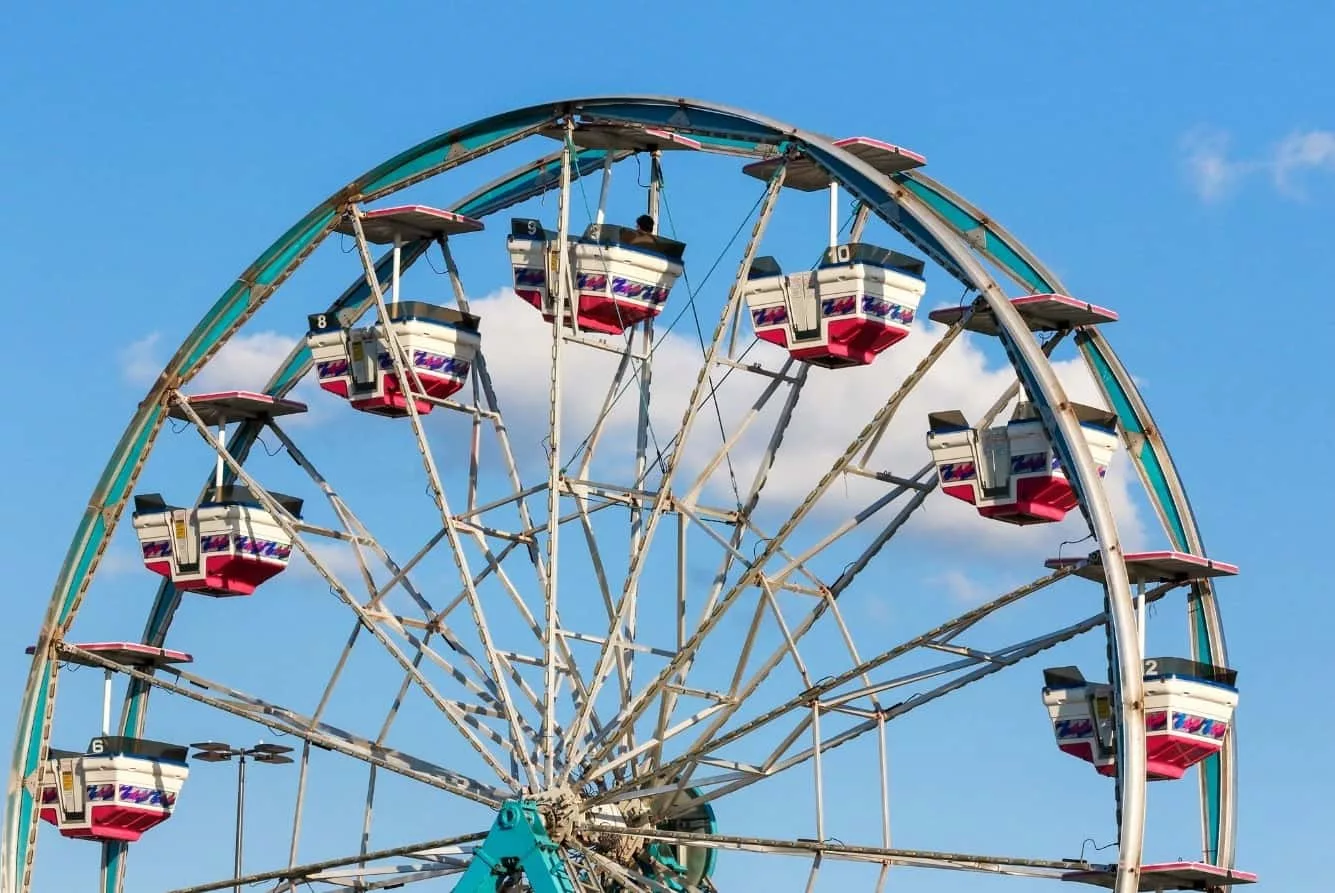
{"x": 439, "y": 345}
{"x": 227, "y": 545}
{"x": 859, "y": 301}
{"x": 118, "y": 788}
{"x": 621, "y": 275}
{"x": 1188, "y": 710}
{"x": 1010, "y": 472}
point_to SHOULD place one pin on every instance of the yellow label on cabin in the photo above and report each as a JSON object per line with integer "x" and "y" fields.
{"x": 67, "y": 780}
{"x": 357, "y": 351}
{"x": 179, "y": 526}
{"x": 1103, "y": 708}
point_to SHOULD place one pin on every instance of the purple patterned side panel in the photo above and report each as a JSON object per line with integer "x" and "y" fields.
{"x": 530, "y": 276}
{"x": 957, "y": 472}
{"x": 1155, "y": 721}
{"x": 157, "y": 549}
{"x": 246, "y": 545}
{"x": 332, "y": 368}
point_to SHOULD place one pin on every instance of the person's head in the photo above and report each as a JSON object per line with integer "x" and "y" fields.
{"x": 645, "y": 223}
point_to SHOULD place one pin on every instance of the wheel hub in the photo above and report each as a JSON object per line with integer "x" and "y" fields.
{"x": 563, "y": 810}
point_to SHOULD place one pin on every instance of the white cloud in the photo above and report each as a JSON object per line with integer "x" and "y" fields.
{"x": 960, "y": 587}
{"x": 245, "y": 363}
{"x": 1300, "y": 152}
{"x": 338, "y": 558}
{"x": 117, "y": 561}
{"x": 834, "y": 406}
{"x": 1214, "y": 173}
{"x": 138, "y": 360}
{"x": 1211, "y": 172}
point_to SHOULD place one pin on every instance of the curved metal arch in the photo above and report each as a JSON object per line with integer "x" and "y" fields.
{"x": 890, "y": 201}
{"x": 1155, "y": 467}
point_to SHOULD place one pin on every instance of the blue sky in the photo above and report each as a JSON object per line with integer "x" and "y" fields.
{"x": 1176, "y": 165}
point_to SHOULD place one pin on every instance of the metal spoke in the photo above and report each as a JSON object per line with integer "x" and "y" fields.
{"x": 742, "y": 692}
{"x": 622, "y": 876}
{"x": 833, "y": 850}
{"x": 563, "y": 286}
{"x": 488, "y": 689}
{"x": 624, "y": 661}
{"x": 740, "y": 429}
{"x": 668, "y": 702}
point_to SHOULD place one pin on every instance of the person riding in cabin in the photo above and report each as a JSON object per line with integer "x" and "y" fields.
{"x": 643, "y": 233}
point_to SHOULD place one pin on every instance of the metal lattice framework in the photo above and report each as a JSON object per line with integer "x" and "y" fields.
{"x": 623, "y": 743}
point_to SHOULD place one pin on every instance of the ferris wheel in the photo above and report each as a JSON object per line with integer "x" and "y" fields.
{"x": 578, "y": 582}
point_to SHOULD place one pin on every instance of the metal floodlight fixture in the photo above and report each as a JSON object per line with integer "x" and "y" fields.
{"x": 213, "y": 756}
{"x": 271, "y": 749}
{"x": 277, "y": 759}
{"x": 212, "y": 745}
{"x": 217, "y": 752}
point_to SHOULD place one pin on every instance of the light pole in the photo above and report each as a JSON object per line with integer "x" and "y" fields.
{"x": 214, "y": 752}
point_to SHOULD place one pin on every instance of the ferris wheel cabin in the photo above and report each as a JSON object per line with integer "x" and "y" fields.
{"x": 115, "y": 791}
{"x": 861, "y": 299}
{"x": 1011, "y": 472}
{"x": 229, "y": 543}
{"x": 1188, "y": 709}
{"x": 118, "y": 788}
{"x": 438, "y": 344}
{"x": 1188, "y": 705}
{"x": 226, "y": 545}
{"x": 622, "y": 275}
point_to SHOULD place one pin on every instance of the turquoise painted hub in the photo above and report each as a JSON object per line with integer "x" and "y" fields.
{"x": 519, "y": 848}
{"x": 686, "y": 866}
